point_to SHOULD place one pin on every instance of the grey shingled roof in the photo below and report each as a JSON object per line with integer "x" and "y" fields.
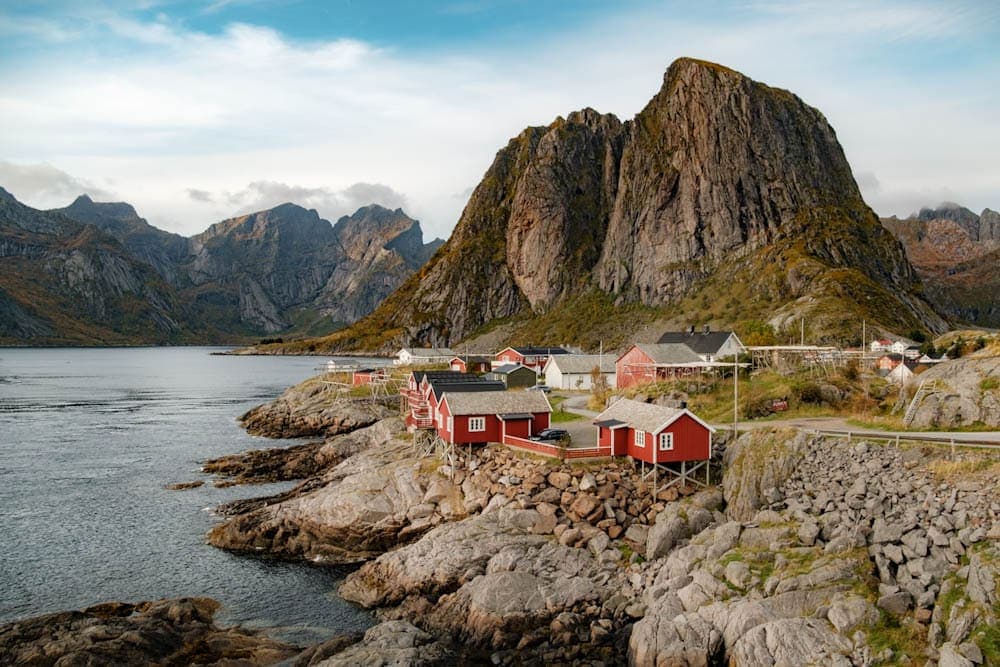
{"x": 702, "y": 343}
{"x": 497, "y": 402}
{"x": 584, "y": 363}
{"x": 670, "y": 353}
{"x": 643, "y": 416}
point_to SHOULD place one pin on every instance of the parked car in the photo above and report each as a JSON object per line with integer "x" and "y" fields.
{"x": 551, "y": 434}
{"x": 544, "y": 388}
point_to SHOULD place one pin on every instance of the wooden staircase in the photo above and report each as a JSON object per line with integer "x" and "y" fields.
{"x": 926, "y": 387}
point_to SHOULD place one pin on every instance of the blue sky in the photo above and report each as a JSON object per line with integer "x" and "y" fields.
{"x": 195, "y": 111}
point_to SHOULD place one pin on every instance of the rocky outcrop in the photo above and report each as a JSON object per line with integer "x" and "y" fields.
{"x": 116, "y": 633}
{"x": 394, "y": 643}
{"x": 965, "y": 391}
{"x": 851, "y": 534}
{"x": 307, "y": 409}
{"x": 757, "y": 465}
{"x": 719, "y": 181}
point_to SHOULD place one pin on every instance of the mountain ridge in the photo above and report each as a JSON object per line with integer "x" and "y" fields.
{"x": 721, "y": 188}
{"x": 258, "y": 274}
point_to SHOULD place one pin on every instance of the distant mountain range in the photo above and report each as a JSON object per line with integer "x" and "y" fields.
{"x": 957, "y": 255}
{"x": 97, "y": 273}
{"x": 723, "y": 201}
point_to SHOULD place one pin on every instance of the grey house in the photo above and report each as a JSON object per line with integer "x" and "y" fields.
{"x": 513, "y": 376}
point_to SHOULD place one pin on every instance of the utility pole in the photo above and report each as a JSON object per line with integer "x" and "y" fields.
{"x": 736, "y": 392}
{"x": 802, "y": 329}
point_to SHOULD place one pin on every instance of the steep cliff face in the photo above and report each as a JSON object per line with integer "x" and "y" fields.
{"x": 61, "y": 281}
{"x": 721, "y": 190}
{"x": 957, "y": 256}
{"x": 161, "y": 250}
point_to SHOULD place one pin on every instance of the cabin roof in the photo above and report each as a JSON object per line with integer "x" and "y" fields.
{"x": 669, "y": 353}
{"x": 440, "y": 387}
{"x": 497, "y": 403}
{"x": 583, "y": 363}
{"x": 645, "y": 416}
{"x": 536, "y": 350}
{"x": 699, "y": 342}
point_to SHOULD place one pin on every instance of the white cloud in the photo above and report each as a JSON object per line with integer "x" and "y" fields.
{"x": 192, "y": 114}
{"x": 331, "y": 204}
{"x": 44, "y": 186}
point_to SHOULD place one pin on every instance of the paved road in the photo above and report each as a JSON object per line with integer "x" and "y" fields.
{"x": 582, "y": 430}
{"x": 837, "y": 424}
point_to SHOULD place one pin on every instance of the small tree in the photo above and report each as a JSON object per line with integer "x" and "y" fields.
{"x": 598, "y": 389}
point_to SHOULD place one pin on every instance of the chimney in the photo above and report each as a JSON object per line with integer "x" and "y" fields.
{"x": 706, "y": 329}
{"x": 684, "y": 405}
{"x": 691, "y": 330}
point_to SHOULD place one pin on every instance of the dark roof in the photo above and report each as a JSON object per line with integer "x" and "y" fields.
{"x": 439, "y": 387}
{"x": 537, "y": 350}
{"x": 514, "y": 416}
{"x": 699, "y": 342}
{"x": 450, "y": 376}
{"x": 507, "y": 369}
{"x": 610, "y": 423}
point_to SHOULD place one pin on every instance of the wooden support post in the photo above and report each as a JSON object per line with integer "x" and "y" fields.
{"x": 683, "y": 473}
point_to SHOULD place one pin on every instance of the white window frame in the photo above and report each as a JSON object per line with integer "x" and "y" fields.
{"x": 475, "y": 422}
{"x": 666, "y": 442}
{"x": 440, "y": 419}
{"x": 451, "y": 424}
{"x": 639, "y": 438}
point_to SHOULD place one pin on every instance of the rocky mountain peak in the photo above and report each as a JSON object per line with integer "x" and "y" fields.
{"x": 719, "y": 178}
{"x": 85, "y": 209}
{"x": 6, "y": 196}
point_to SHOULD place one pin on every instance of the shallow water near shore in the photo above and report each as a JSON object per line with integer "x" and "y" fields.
{"x": 89, "y": 438}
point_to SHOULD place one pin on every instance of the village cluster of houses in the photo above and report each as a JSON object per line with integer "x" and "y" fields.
{"x": 471, "y": 403}
{"x": 461, "y": 409}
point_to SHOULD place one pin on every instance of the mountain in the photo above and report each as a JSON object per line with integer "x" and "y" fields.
{"x": 97, "y": 273}
{"x": 66, "y": 282}
{"x": 957, "y": 256}
{"x": 161, "y": 250}
{"x": 286, "y": 265}
{"x": 723, "y": 200}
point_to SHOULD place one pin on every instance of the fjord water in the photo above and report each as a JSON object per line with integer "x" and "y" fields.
{"x": 89, "y": 437}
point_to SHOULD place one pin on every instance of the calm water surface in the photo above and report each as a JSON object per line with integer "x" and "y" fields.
{"x": 88, "y": 438}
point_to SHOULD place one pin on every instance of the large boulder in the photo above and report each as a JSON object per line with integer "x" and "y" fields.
{"x": 791, "y": 641}
{"x": 965, "y": 391}
{"x": 756, "y": 463}
{"x": 309, "y": 409}
{"x": 398, "y": 643}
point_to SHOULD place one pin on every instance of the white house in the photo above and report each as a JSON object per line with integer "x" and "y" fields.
{"x": 409, "y": 356}
{"x": 572, "y": 371}
{"x": 900, "y": 346}
{"x": 881, "y": 345}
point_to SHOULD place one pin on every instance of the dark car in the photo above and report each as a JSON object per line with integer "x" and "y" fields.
{"x": 551, "y": 434}
{"x": 544, "y": 388}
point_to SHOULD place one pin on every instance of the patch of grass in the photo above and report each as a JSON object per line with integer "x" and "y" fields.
{"x": 987, "y": 637}
{"x": 950, "y": 471}
{"x": 561, "y": 416}
{"x": 989, "y": 384}
{"x": 904, "y": 639}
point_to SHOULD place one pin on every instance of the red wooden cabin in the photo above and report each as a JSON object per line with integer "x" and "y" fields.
{"x": 653, "y": 433}
{"x": 474, "y": 418}
{"x": 364, "y": 376}
{"x": 643, "y": 363}
{"x": 470, "y": 363}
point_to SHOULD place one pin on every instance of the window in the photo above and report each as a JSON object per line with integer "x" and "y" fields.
{"x": 451, "y": 425}
{"x": 477, "y": 424}
{"x": 440, "y": 420}
{"x": 666, "y": 442}
{"x": 640, "y": 438}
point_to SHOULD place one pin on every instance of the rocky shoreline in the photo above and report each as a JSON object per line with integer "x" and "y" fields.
{"x": 811, "y": 550}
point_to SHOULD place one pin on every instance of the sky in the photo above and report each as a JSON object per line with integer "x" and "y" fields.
{"x": 197, "y": 111}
